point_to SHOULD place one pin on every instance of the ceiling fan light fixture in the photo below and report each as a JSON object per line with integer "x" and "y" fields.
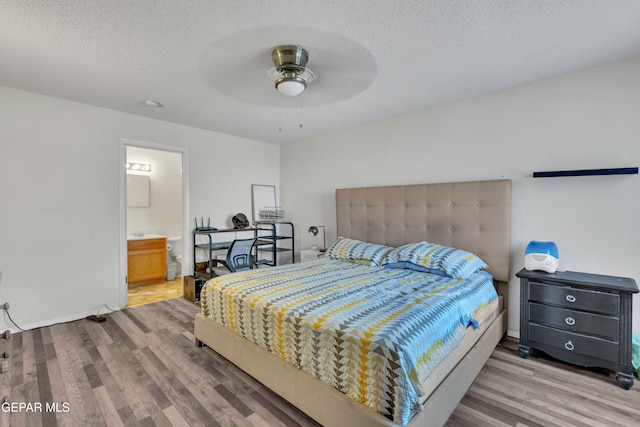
{"x": 291, "y": 85}
{"x": 290, "y": 62}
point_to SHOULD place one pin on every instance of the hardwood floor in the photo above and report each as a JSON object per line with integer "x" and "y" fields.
{"x": 142, "y": 368}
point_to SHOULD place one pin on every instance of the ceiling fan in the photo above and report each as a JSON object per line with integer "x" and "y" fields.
{"x": 291, "y": 74}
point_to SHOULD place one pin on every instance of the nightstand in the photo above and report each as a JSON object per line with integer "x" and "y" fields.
{"x": 310, "y": 254}
{"x": 579, "y": 318}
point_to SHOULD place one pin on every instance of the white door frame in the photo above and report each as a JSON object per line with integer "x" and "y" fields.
{"x": 187, "y": 253}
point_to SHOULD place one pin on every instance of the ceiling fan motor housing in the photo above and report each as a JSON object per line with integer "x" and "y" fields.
{"x": 290, "y": 59}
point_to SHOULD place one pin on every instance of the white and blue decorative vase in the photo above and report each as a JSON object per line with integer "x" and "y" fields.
{"x": 541, "y": 256}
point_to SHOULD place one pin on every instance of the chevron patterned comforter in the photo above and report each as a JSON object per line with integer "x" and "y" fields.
{"x": 373, "y": 333}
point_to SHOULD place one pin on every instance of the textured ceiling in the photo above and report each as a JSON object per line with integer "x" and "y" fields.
{"x": 206, "y": 61}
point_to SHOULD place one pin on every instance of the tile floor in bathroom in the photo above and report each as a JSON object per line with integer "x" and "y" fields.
{"x": 148, "y": 292}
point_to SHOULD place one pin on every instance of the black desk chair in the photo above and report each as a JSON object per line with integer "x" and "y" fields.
{"x": 239, "y": 256}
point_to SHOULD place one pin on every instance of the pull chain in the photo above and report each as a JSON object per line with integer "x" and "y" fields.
{"x": 280, "y": 102}
{"x": 301, "y": 105}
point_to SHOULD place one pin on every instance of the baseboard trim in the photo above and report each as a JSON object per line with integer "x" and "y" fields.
{"x": 64, "y": 319}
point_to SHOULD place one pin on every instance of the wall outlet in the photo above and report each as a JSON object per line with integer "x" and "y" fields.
{"x": 4, "y": 306}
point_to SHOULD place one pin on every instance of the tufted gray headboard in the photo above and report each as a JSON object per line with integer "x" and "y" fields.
{"x": 474, "y": 216}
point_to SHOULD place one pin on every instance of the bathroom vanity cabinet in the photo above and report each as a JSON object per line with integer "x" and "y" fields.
{"x": 147, "y": 259}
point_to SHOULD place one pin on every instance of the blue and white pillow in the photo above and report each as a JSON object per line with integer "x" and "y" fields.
{"x": 404, "y": 265}
{"x": 355, "y": 250}
{"x": 432, "y": 258}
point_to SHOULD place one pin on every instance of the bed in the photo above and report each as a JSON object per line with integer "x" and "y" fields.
{"x": 471, "y": 217}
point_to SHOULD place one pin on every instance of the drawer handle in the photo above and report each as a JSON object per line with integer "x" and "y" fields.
{"x": 571, "y": 298}
{"x": 570, "y": 321}
{"x": 569, "y": 346}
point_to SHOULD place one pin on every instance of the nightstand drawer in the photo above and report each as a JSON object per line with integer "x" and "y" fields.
{"x": 575, "y": 321}
{"x": 567, "y": 345}
{"x": 575, "y": 299}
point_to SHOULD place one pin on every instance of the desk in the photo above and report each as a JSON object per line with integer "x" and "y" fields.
{"x": 268, "y": 244}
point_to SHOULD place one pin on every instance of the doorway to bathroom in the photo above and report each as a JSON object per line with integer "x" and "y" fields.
{"x": 153, "y": 220}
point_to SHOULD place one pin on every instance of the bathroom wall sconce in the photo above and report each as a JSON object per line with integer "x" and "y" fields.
{"x": 313, "y": 230}
{"x": 138, "y": 167}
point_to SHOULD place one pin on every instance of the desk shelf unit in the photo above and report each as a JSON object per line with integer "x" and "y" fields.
{"x": 270, "y": 235}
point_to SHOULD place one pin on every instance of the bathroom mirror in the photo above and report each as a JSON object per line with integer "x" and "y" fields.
{"x": 138, "y": 191}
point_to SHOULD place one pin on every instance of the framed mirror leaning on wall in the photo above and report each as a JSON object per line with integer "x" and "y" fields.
{"x": 262, "y": 196}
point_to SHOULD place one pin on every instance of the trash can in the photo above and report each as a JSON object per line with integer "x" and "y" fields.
{"x": 171, "y": 270}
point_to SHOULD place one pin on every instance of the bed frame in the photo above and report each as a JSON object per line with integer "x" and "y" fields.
{"x": 474, "y": 216}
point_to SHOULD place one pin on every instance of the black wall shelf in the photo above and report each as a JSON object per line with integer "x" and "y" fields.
{"x": 587, "y": 172}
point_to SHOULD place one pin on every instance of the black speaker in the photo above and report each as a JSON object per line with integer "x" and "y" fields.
{"x": 192, "y": 287}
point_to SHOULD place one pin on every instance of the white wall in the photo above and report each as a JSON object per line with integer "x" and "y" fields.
{"x": 59, "y": 225}
{"x": 582, "y": 120}
{"x": 59, "y": 248}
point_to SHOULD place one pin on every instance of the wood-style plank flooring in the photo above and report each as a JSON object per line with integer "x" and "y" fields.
{"x": 142, "y": 368}
{"x": 511, "y": 391}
